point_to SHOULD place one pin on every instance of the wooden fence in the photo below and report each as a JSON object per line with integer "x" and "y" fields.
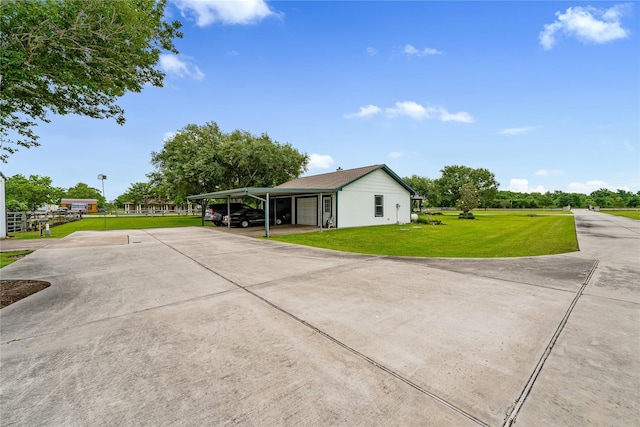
{"x": 34, "y": 221}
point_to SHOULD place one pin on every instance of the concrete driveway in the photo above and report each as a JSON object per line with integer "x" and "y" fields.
{"x": 201, "y": 327}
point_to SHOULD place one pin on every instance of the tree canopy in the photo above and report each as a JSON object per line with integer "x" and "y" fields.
{"x": 83, "y": 191}
{"x": 454, "y": 177}
{"x": 201, "y": 159}
{"x": 23, "y": 194}
{"x": 469, "y": 198}
{"x": 75, "y": 57}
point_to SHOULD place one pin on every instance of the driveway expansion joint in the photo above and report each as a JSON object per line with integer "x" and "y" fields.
{"x": 511, "y": 418}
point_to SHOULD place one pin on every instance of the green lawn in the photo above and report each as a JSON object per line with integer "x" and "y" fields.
{"x": 633, "y": 214}
{"x": 7, "y": 258}
{"x": 500, "y": 233}
{"x": 488, "y": 236}
{"x": 116, "y": 223}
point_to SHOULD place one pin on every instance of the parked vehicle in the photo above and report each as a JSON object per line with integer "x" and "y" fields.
{"x": 215, "y": 212}
{"x": 244, "y": 218}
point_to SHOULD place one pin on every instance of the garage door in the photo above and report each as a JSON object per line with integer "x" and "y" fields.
{"x": 307, "y": 210}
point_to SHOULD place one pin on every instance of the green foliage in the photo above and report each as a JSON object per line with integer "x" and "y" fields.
{"x": 454, "y": 177}
{"x": 492, "y": 236}
{"x": 30, "y": 193}
{"x": 75, "y": 57}
{"x": 136, "y": 193}
{"x": 425, "y": 187}
{"x": 200, "y": 159}
{"x": 83, "y": 191}
{"x": 469, "y": 199}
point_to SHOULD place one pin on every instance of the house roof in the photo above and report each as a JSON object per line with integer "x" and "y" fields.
{"x": 69, "y": 201}
{"x": 327, "y": 182}
{"x": 333, "y": 180}
{"x": 341, "y": 178}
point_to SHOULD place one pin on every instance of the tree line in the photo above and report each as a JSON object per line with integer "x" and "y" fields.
{"x": 445, "y": 192}
{"x": 203, "y": 159}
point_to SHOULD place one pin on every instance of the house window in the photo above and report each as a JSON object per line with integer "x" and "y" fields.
{"x": 327, "y": 205}
{"x": 379, "y": 203}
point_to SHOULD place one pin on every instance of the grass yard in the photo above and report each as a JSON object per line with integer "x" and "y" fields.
{"x": 7, "y": 258}
{"x": 489, "y": 236}
{"x": 116, "y": 223}
{"x": 632, "y": 214}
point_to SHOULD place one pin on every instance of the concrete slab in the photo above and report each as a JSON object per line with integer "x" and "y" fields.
{"x": 592, "y": 376}
{"x": 219, "y": 360}
{"x": 194, "y": 326}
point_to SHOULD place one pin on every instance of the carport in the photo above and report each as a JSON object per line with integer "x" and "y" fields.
{"x": 263, "y": 194}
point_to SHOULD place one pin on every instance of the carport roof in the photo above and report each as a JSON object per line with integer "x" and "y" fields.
{"x": 258, "y": 191}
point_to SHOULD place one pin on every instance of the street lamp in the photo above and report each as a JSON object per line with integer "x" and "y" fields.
{"x": 102, "y": 177}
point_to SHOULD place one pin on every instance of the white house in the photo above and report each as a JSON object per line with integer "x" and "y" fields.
{"x": 371, "y": 195}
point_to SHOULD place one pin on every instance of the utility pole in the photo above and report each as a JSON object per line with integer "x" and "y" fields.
{"x": 102, "y": 177}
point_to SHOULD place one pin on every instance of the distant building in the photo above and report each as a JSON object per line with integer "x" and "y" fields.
{"x": 80, "y": 205}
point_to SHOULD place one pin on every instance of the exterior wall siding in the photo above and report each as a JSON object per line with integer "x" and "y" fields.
{"x": 356, "y": 201}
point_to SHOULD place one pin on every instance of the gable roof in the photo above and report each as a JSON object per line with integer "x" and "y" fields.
{"x": 326, "y": 182}
{"x": 341, "y": 178}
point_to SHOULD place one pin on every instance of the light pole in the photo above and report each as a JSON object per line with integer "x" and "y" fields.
{"x": 102, "y": 177}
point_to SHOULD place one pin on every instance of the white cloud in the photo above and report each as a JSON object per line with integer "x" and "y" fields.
{"x": 408, "y": 108}
{"x": 320, "y": 161}
{"x": 418, "y": 112}
{"x": 516, "y": 131}
{"x": 413, "y": 110}
{"x": 587, "y": 187}
{"x": 545, "y": 172}
{"x": 521, "y": 185}
{"x": 412, "y": 51}
{"x": 460, "y": 116}
{"x": 372, "y": 51}
{"x": 225, "y": 11}
{"x": 173, "y": 65}
{"x": 587, "y": 24}
{"x": 363, "y": 112}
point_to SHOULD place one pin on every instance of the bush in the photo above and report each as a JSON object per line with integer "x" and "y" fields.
{"x": 468, "y": 215}
{"x": 428, "y": 221}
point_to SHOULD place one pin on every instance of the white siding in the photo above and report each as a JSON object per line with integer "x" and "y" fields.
{"x": 356, "y": 202}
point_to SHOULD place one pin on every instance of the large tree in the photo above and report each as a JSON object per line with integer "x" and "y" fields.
{"x": 454, "y": 177}
{"x": 75, "y": 57}
{"x": 83, "y": 191}
{"x": 200, "y": 159}
{"x": 30, "y": 193}
{"x": 425, "y": 187}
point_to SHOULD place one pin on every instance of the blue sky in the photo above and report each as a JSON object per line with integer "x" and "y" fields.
{"x": 546, "y": 95}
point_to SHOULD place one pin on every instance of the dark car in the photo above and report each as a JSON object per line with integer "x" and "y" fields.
{"x": 244, "y": 218}
{"x": 216, "y": 211}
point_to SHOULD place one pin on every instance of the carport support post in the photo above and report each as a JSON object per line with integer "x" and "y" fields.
{"x": 266, "y": 220}
{"x": 320, "y": 211}
{"x": 203, "y": 211}
{"x": 228, "y": 212}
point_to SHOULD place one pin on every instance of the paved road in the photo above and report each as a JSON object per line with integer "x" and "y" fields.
{"x": 199, "y": 327}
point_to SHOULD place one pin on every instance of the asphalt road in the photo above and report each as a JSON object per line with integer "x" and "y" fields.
{"x": 201, "y": 327}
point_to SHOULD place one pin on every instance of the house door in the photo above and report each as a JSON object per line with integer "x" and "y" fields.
{"x": 307, "y": 210}
{"x": 327, "y": 211}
